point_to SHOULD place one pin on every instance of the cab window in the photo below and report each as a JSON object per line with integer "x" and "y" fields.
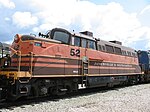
{"x": 92, "y": 44}
{"x": 77, "y": 41}
{"x": 84, "y": 43}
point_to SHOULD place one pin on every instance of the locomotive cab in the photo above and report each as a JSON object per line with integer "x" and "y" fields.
{"x": 58, "y": 34}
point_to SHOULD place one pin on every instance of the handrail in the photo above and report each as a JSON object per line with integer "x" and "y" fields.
{"x": 15, "y": 51}
{"x": 19, "y": 61}
{"x": 31, "y": 64}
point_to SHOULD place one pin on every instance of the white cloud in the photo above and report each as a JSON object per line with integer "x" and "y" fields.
{"x": 7, "y": 19}
{"x": 148, "y": 38}
{"x": 114, "y": 23}
{"x": 24, "y": 19}
{"x": 144, "y": 16}
{"x": 55, "y": 12}
{"x": 7, "y": 3}
{"x": 145, "y": 9}
{"x": 108, "y": 22}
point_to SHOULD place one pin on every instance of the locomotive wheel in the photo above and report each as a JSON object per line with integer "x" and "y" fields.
{"x": 58, "y": 91}
{"x": 110, "y": 85}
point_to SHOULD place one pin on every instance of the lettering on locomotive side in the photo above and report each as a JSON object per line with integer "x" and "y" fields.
{"x": 112, "y": 64}
{"x": 75, "y": 52}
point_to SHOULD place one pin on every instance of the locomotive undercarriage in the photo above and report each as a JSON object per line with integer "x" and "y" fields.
{"x": 39, "y": 87}
{"x": 35, "y": 87}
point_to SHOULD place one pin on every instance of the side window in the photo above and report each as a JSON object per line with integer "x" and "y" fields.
{"x": 84, "y": 43}
{"x": 117, "y": 50}
{"x": 134, "y": 54}
{"x": 38, "y": 44}
{"x": 92, "y": 44}
{"x": 109, "y": 49}
{"x": 124, "y": 53}
{"x": 103, "y": 48}
{"x": 99, "y": 47}
{"x": 128, "y": 53}
{"x": 77, "y": 41}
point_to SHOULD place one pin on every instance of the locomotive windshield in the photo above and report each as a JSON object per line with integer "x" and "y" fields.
{"x": 58, "y": 34}
{"x": 61, "y": 36}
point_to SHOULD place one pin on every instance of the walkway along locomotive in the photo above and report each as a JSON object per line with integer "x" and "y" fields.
{"x": 60, "y": 62}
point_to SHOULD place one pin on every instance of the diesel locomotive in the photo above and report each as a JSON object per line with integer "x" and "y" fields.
{"x": 61, "y": 62}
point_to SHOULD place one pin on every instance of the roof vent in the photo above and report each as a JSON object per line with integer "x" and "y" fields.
{"x": 87, "y": 33}
{"x": 116, "y": 42}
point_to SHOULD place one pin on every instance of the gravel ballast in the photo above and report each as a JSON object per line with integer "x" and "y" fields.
{"x": 127, "y": 99}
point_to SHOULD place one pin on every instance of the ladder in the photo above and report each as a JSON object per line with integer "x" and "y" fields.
{"x": 85, "y": 71}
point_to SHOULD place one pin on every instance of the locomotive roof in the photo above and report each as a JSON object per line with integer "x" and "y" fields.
{"x": 103, "y": 42}
{"x": 83, "y": 36}
{"x": 100, "y": 42}
{"x": 76, "y": 34}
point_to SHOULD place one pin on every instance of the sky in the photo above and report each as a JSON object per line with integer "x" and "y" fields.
{"x": 127, "y": 21}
